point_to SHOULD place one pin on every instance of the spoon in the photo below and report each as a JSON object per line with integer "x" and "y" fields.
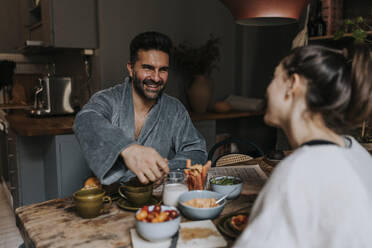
{"x": 226, "y": 195}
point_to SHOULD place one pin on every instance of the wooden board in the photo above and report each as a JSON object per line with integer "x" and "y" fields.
{"x": 192, "y": 234}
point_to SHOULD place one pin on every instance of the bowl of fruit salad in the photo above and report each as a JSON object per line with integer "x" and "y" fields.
{"x": 157, "y": 222}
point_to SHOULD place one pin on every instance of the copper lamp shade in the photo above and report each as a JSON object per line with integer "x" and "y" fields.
{"x": 265, "y": 12}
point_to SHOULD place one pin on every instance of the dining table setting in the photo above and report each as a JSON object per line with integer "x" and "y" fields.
{"x": 191, "y": 208}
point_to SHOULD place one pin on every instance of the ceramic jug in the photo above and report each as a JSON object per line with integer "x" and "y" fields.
{"x": 200, "y": 93}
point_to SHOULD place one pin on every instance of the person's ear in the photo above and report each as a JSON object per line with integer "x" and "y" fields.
{"x": 130, "y": 69}
{"x": 294, "y": 85}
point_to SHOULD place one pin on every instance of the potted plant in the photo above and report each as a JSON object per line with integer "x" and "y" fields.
{"x": 358, "y": 28}
{"x": 197, "y": 64}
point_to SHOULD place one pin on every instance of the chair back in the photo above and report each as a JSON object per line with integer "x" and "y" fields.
{"x": 233, "y": 158}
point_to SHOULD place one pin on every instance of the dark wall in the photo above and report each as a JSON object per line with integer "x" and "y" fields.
{"x": 192, "y": 20}
{"x": 261, "y": 48}
{"x": 248, "y": 54}
{"x": 354, "y": 8}
{"x": 10, "y": 28}
{"x": 260, "y": 51}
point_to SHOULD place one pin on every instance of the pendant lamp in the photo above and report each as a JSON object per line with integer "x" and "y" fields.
{"x": 265, "y": 12}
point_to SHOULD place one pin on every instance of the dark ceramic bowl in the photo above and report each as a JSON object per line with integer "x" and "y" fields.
{"x": 135, "y": 192}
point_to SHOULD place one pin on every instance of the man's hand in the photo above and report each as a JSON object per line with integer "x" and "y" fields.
{"x": 145, "y": 162}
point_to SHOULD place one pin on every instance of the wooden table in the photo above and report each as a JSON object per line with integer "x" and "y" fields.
{"x": 55, "y": 223}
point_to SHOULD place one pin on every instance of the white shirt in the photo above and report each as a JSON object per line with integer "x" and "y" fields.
{"x": 319, "y": 196}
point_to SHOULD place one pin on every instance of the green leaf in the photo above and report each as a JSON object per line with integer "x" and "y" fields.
{"x": 359, "y": 35}
{"x": 359, "y": 19}
{"x": 338, "y": 35}
{"x": 348, "y": 22}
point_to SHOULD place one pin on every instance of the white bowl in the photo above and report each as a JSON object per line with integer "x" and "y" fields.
{"x": 158, "y": 231}
{"x": 200, "y": 213}
{"x": 233, "y": 190}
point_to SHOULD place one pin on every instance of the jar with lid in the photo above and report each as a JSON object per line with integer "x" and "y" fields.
{"x": 174, "y": 186}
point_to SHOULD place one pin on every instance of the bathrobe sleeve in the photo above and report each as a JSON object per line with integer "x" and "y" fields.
{"x": 100, "y": 138}
{"x": 189, "y": 144}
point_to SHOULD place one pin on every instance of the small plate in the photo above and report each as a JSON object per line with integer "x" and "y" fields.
{"x": 225, "y": 228}
{"x": 124, "y": 204}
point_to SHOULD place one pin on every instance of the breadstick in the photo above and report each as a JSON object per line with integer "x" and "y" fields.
{"x": 205, "y": 170}
{"x": 199, "y": 182}
{"x": 188, "y": 163}
{"x": 193, "y": 182}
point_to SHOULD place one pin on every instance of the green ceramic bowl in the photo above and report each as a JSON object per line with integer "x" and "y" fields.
{"x": 135, "y": 192}
{"x": 90, "y": 202}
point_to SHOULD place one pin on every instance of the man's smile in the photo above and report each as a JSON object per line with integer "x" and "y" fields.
{"x": 152, "y": 85}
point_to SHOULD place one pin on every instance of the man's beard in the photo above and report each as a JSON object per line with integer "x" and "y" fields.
{"x": 139, "y": 88}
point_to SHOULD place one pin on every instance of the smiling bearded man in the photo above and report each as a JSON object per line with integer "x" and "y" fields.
{"x": 134, "y": 129}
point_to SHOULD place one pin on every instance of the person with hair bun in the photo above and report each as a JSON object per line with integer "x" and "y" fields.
{"x": 321, "y": 194}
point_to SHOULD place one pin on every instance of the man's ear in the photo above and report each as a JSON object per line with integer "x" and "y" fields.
{"x": 130, "y": 69}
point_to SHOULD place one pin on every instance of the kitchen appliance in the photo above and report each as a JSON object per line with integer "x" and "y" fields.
{"x": 53, "y": 96}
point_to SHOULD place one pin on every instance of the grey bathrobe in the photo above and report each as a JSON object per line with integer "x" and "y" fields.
{"x": 105, "y": 126}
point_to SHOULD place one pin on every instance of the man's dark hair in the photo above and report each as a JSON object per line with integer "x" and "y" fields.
{"x": 149, "y": 41}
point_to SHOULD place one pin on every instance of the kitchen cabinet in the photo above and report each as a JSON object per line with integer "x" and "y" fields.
{"x": 59, "y": 23}
{"x": 25, "y": 169}
{"x": 43, "y": 167}
{"x": 64, "y": 167}
{"x": 10, "y": 27}
{"x": 3, "y": 156}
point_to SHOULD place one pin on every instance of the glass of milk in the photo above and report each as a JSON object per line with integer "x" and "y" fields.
{"x": 174, "y": 186}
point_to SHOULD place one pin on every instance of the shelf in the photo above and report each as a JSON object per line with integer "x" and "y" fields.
{"x": 331, "y": 37}
{"x": 15, "y": 106}
{"x": 220, "y": 116}
{"x": 35, "y": 25}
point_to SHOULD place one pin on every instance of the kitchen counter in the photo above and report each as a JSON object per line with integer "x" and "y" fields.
{"x": 25, "y": 125}
{"x": 221, "y": 116}
{"x": 44, "y": 159}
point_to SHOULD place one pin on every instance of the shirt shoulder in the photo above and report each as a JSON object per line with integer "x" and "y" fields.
{"x": 321, "y": 166}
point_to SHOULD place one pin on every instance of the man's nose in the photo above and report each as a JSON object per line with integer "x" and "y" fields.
{"x": 155, "y": 76}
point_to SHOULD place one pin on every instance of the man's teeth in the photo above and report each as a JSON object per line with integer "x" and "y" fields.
{"x": 152, "y": 85}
